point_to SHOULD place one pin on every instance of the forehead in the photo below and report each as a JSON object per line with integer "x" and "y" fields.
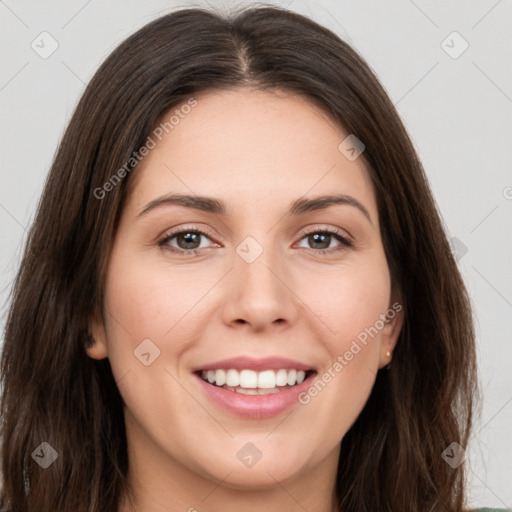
{"x": 250, "y": 145}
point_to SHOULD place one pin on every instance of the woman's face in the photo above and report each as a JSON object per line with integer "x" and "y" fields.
{"x": 269, "y": 281}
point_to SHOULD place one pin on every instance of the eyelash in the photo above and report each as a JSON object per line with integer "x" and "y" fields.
{"x": 345, "y": 243}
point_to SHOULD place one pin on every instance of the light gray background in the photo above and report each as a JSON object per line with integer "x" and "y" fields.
{"x": 457, "y": 111}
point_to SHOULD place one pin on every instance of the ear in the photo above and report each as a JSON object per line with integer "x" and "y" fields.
{"x": 391, "y": 330}
{"x": 96, "y": 346}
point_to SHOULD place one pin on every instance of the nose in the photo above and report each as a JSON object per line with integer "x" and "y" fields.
{"x": 260, "y": 294}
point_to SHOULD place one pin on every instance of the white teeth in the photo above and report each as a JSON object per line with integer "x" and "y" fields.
{"x": 267, "y": 379}
{"x": 220, "y": 377}
{"x": 243, "y": 391}
{"x": 253, "y": 382}
{"x": 281, "y": 378}
{"x": 232, "y": 378}
{"x": 248, "y": 379}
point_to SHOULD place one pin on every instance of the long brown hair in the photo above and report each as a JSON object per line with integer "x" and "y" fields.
{"x": 53, "y": 392}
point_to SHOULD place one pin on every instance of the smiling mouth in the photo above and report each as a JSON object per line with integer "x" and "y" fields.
{"x": 250, "y": 382}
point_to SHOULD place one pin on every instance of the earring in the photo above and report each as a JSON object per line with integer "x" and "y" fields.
{"x": 388, "y": 354}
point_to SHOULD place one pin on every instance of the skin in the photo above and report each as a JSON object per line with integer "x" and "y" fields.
{"x": 257, "y": 151}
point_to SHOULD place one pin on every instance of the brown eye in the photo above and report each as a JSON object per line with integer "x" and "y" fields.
{"x": 320, "y": 241}
{"x": 186, "y": 241}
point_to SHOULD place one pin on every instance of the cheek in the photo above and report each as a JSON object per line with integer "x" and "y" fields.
{"x": 162, "y": 304}
{"x": 151, "y": 301}
{"x": 350, "y": 301}
{"x": 351, "y": 307}
{"x": 147, "y": 314}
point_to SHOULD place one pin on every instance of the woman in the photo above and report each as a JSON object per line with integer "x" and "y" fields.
{"x": 237, "y": 290}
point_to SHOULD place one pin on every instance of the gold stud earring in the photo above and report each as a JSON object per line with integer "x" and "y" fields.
{"x": 388, "y": 354}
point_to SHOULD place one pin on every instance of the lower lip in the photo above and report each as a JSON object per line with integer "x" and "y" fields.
{"x": 254, "y": 406}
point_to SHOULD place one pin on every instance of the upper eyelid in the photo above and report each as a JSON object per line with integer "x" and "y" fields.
{"x": 320, "y": 228}
{"x": 173, "y": 232}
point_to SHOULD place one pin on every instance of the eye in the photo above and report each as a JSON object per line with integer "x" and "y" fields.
{"x": 320, "y": 240}
{"x": 188, "y": 241}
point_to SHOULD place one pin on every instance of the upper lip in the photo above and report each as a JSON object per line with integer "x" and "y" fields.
{"x": 255, "y": 364}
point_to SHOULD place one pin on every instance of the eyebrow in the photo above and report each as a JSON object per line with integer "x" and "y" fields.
{"x": 218, "y": 207}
